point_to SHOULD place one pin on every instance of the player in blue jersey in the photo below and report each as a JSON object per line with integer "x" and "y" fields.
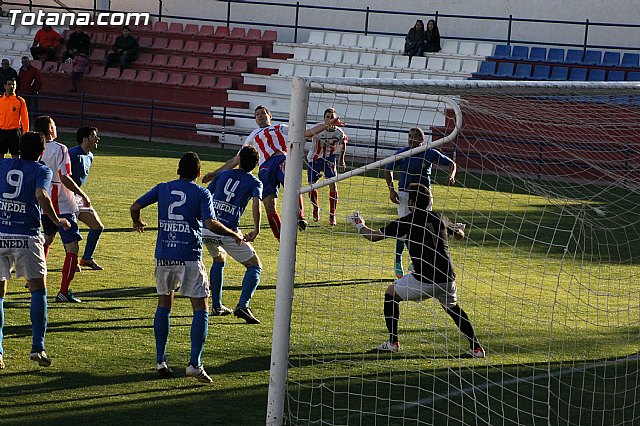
{"x": 81, "y": 157}
{"x": 232, "y": 190}
{"x": 23, "y": 198}
{"x": 414, "y": 169}
{"x": 182, "y": 208}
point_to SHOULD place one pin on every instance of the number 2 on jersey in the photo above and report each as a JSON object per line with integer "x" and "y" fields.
{"x": 183, "y": 198}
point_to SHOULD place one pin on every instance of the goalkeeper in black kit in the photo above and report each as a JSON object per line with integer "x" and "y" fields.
{"x": 427, "y": 235}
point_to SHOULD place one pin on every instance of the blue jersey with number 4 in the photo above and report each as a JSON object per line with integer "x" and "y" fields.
{"x": 19, "y": 208}
{"x": 182, "y": 205}
{"x": 232, "y": 190}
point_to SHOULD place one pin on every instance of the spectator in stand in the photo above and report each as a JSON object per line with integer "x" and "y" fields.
{"x": 414, "y": 41}
{"x": 6, "y": 72}
{"x": 432, "y": 37}
{"x": 46, "y": 42}
{"x": 79, "y": 41}
{"x": 29, "y": 84}
{"x": 125, "y": 49}
{"x": 79, "y": 63}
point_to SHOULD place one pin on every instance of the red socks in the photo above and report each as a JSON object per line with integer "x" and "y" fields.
{"x": 275, "y": 224}
{"x": 333, "y": 202}
{"x": 68, "y": 271}
{"x": 46, "y": 251}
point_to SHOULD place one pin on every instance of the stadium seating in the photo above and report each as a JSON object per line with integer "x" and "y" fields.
{"x": 574, "y": 57}
{"x": 523, "y": 71}
{"x": 597, "y": 75}
{"x": 505, "y": 70}
{"x": 502, "y": 51}
{"x": 559, "y": 73}
{"x": 630, "y": 60}
{"x": 615, "y": 75}
{"x": 555, "y": 55}
{"x": 592, "y": 57}
{"x": 519, "y": 53}
{"x": 611, "y": 59}
{"x": 487, "y": 69}
{"x": 578, "y": 74}
{"x": 538, "y": 54}
{"x": 633, "y": 76}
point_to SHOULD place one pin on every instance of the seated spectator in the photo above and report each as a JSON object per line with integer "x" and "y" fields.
{"x": 29, "y": 84}
{"x": 432, "y": 37}
{"x": 79, "y": 64}
{"x": 79, "y": 41}
{"x": 414, "y": 41}
{"x": 46, "y": 42}
{"x": 125, "y": 49}
{"x": 3, "y": 13}
{"x": 7, "y": 72}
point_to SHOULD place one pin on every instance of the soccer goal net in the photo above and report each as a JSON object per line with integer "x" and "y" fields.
{"x": 547, "y": 187}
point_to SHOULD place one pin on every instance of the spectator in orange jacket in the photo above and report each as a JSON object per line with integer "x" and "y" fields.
{"x": 14, "y": 119}
{"x": 46, "y": 42}
{"x": 29, "y": 84}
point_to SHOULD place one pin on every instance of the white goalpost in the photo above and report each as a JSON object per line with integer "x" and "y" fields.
{"x": 547, "y": 186}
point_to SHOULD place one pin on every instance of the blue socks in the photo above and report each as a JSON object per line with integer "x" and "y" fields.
{"x": 249, "y": 284}
{"x": 199, "y": 330}
{"x": 216, "y": 278}
{"x": 1, "y": 323}
{"x": 92, "y": 242}
{"x": 161, "y": 331}
{"x": 399, "y": 250}
{"x": 38, "y": 314}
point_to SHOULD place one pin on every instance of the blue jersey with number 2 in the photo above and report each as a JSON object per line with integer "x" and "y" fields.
{"x": 182, "y": 205}
{"x": 19, "y": 208}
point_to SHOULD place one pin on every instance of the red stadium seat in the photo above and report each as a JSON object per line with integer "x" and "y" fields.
{"x": 223, "y": 65}
{"x": 269, "y": 36}
{"x": 238, "y": 67}
{"x": 238, "y": 50}
{"x": 208, "y": 81}
{"x": 175, "y": 79}
{"x": 191, "y": 63}
{"x": 254, "y": 34}
{"x": 222, "y": 49}
{"x": 254, "y": 51}
{"x": 206, "y": 31}
{"x": 143, "y": 76}
{"x": 160, "y": 27}
{"x": 111, "y": 74}
{"x": 144, "y": 59}
{"x": 207, "y": 64}
{"x": 159, "y": 60}
{"x": 177, "y": 45}
{"x": 175, "y": 61}
{"x": 50, "y": 66}
{"x": 36, "y": 64}
{"x": 65, "y": 68}
{"x": 175, "y": 28}
{"x": 191, "y": 80}
{"x": 237, "y": 34}
{"x": 145, "y": 42}
{"x": 95, "y": 72}
{"x": 222, "y": 32}
{"x": 128, "y": 74}
{"x": 207, "y": 47}
{"x": 190, "y": 30}
{"x": 159, "y": 77}
{"x": 160, "y": 43}
{"x": 191, "y": 46}
{"x": 97, "y": 55}
{"x": 223, "y": 83}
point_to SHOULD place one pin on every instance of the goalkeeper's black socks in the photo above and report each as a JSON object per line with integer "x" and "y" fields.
{"x": 391, "y": 317}
{"x": 461, "y": 319}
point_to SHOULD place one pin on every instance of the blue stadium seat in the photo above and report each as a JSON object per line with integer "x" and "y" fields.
{"x": 487, "y": 69}
{"x": 578, "y": 74}
{"x": 520, "y": 53}
{"x": 630, "y": 60}
{"x": 541, "y": 72}
{"x": 615, "y": 75}
{"x": 555, "y": 55}
{"x": 597, "y": 75}
{"x": 538, "y": 54}
{"x": 611, "y": 59}
{"x": 633, "y": 76}
{"x": 574, "y": 56}
{"x": 592, "y": 57}
{"x": 523, "y": 71}
{"x": 505, "y": 69}
{"x": 502, "y": 51}
{"x": 559, "y": 73}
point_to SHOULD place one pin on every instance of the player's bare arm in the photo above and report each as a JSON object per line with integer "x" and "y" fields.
{"x": 230, "y": 164}
{"x": 138, "y": 224}
{"x": 451, "y": 180}
{"x": 73, "y": 187}
{"x": 393, "y": 195}
{"x": 256, "y": 211}
{"x": 47, "y": 208}
{"x": 357, "y": 221}
{"x": 322, "y": 127}
{"x": 342, "y": 165}
{"x": 218, "y": 228}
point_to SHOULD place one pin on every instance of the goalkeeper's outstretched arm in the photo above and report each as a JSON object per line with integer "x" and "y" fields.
{"x": 370, "y": 234}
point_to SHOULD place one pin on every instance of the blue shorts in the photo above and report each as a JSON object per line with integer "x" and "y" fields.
{"x": 321, "y": 166}
{"x": 66, "y": 235}
{"x": 271, "y": 175}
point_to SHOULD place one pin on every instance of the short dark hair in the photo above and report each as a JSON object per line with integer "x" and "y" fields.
{"x": 84, "y": 132}
{"x": 32, "y": 145}
{"x": 10, "y": 79}
{"x": 126, "y": 27}
{"x": 262, "y": 107}
{"x": 189, "y": 166}
{"x": 249, "y": 158}
{"x": 419, "y": 196}
{"x": 41, "y": 124}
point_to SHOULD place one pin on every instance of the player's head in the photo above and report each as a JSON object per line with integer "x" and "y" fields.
{"x": 249, "y": 158}
{"x": 10, "y": 86}
{"x": 5, "y": 64}
{"x": 45, "y": 125}
{"x": 88, "y": 137}
{"x": 416, "y": 137}
{"x": 189, "y": 166}
{"x": 419, "y": 197}
{"x": 263, "y": 116}
{"x": 329, "y": 115}
{"x": 32, "y": 146}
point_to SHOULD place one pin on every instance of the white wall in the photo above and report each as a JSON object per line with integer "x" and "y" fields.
{"x": 622, "y": 11}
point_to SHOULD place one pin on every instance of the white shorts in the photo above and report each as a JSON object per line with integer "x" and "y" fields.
{"x": 217, "y": 244}
{"x": 409, "y": 288}
{"x": 25, "y": 254}
{"x": 189, "y": 277}
{"x": 403, "y": 203}
{"x": 81, "y": 207}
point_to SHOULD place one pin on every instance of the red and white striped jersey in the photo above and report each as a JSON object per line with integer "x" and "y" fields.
{"x": 327, "y": 143}
{"x": 269, "y": 140}
{"x": 56, "y": 157}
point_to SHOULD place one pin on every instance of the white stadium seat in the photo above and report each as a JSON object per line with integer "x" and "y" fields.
{"x": 352, "y": 73}
{"x": 369, "y": 74}
{"x": 6, "y": 45}
{"x": 365, "y": 41}
{"x": 7, "y": 28}
{"x": 467, "y": 48}
{"x": 470, "y": 66}
{"x": 484, "y": 49}
{"x": 351, "y": 58}
{"x": 450, "y": 47}
{"x": 286, "y": 69}
{"x": 21, "y": 47}
{"x": 301, "y": 53}
{"x": 435, "y": 64}
{"x": 318, "y": 71}
{"x": 334, "y": 56}
{"x": 332, "y": 39}
{"x": 383, "y": 60}
{"x": 302, "y": 70}
{"x": 418, "y": 62}
{"x": 400, "y": 61}
{"x": 367, "y": 59}
{"x": 316, "y": 37}
{"x": 386, "y": 74}
{"x": 452, "y": 65}
{"x": 336, "y": 72}
{"x": 382, "y": 42}
{"x": 397, "y": 43}
{"x": 23, "y": 31}
{"x": 349, "y": 40}
{"x": 317, "y": 55}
